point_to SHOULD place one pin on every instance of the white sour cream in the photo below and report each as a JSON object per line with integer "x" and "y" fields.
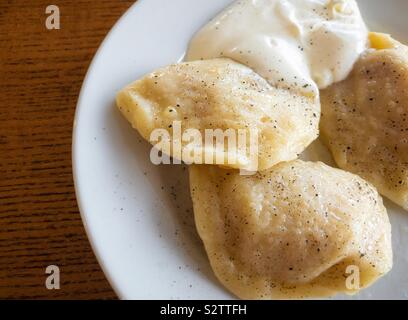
{"x": 307, "y": 44}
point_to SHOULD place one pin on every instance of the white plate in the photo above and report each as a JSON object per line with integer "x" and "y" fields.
{"x": 138, "y": 216}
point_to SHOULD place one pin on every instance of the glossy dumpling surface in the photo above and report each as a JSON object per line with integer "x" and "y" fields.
{"x": 221, "y": 94}
{"x": 292, "y": 231}
{"x": 365, "y": 119}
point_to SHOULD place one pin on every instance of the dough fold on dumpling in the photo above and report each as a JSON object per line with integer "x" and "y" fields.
{"x": 365, "y": 118}
{"x": 298, "y": 230}
{"x": 222, "y": 94}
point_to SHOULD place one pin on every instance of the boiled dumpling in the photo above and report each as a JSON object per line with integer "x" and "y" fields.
{"x": 365, "y": 118}
{"x": 222, "y": 94}
{"x": 292, "y": 231}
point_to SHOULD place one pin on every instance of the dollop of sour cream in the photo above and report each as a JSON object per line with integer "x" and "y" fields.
{"x": 306, "y": 44}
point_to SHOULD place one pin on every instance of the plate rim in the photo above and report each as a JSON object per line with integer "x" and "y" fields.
{"x": 97, "y": 249}
{"x": 75, "y": 154}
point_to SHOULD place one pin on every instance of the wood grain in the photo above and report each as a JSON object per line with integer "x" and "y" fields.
{"x": 41, "y": 72}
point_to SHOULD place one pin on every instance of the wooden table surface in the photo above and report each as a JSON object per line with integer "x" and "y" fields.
{"x": 41, "y": 72}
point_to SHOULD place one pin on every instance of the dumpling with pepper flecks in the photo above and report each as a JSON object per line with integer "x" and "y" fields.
{"x": 298, "y": 230}
{"x": 222, "y": 95}
{"x": 365, "y": 118}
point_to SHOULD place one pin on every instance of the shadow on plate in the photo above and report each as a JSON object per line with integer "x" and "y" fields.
{"x": 171, "y": 185}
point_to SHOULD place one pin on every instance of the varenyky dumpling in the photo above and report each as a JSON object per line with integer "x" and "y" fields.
{"x": 222, "y": 94}
{"x": 365, "y": 118}
{"x": 294, "y": 231}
